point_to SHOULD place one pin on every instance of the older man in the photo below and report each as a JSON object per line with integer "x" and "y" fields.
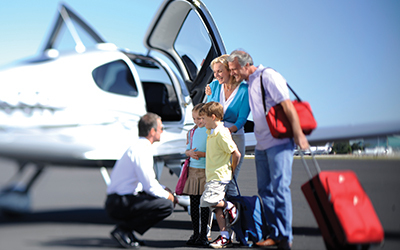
{"x": 274, "y": 157}
{"x": 135, "y": 197}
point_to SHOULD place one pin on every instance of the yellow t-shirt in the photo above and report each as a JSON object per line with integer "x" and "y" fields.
{"x": 218, "y": 154}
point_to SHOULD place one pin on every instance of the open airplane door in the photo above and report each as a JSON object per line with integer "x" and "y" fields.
{"x": 184, "y": 31}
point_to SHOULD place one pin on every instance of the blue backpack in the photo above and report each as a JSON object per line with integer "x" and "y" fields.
{"x": 251, "y": 224}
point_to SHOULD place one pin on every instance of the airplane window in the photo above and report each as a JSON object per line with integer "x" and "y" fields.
{"x": 115, "y": 77}
{"x": 193, "y": 47}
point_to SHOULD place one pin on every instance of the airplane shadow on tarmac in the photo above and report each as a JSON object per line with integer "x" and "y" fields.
{"x": 80, "y": 215}
{"x": 99, "y": 217}
{"x": 109, "y": 243}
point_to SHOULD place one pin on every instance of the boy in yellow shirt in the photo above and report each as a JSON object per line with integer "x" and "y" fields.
{"x": 219, "y": 169}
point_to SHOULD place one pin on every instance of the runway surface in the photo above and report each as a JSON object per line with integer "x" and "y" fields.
{"x": 67, "y": 208}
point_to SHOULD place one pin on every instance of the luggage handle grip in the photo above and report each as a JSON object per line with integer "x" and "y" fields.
{"x": 316, "y": 165}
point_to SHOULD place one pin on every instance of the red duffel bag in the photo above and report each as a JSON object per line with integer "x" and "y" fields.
{"x": 279, "y": 124}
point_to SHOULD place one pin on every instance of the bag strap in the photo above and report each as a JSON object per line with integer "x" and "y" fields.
{"x": 191, "y": 132}
{"x": 263, "y": 90}
{"x": 237, "y": 186}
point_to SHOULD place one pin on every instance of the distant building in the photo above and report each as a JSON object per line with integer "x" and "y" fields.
{"x": 379, "y": 145}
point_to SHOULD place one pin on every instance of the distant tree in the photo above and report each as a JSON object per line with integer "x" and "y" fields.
{"x": 341, "y": 148}
{"x": 357, "y": 146}
{"x": 367, "y": 145}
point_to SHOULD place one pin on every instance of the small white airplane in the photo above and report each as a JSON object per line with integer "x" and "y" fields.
{"x": 317, "y": 150}
{"x": 79, "y": 105}
{"x": 322, "y": 150}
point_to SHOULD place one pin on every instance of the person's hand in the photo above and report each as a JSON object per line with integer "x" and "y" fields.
{"x": 193, "y": 154}
{"x": 208, "y": 90}
{"x": 233, "y": 129}
{"x": 301, "y": 141}
{"x": 171, "y": 196}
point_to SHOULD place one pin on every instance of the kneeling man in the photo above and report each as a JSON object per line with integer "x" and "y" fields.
{"x": 135, "y": 198}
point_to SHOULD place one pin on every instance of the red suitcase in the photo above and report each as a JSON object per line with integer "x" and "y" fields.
{"x": 342, "y": 209}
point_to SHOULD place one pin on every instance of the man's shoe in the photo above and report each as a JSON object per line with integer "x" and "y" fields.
{"x": 192, "y": 240}
{"x": 133, "y": 237}
{"x": 202, "y": 242}
{"x": 231, "y": 215}
{"x": 123, "y": 238}
{"x": 280, "y": 244}
{"x": 221, "y": 242}
{"x": 268, "y": 243}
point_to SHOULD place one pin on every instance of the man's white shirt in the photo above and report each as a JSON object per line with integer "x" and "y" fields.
{"x": 134, "y": 172}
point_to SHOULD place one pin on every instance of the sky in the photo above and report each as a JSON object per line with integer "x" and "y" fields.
{"x": 343, "y": 57}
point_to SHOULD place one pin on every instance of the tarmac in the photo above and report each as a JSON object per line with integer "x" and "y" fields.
{"x": 67, "y": 208}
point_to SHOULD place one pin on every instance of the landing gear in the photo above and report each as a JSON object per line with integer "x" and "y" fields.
{"x": 15, "y": 198}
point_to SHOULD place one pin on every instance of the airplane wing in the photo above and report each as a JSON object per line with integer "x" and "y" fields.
{"x": 353, "y": 131}
{"x": 323, "y": 135}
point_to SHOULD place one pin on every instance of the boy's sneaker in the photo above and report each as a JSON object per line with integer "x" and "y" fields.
{"x": 221, "y": 242}
{"x": 231, "y": 215}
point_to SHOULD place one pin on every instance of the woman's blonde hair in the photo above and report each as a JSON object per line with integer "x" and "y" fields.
{"x": 223, "y": 60}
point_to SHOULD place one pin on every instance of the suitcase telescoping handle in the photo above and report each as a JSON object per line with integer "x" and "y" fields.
{"x": 306, "y": 165}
